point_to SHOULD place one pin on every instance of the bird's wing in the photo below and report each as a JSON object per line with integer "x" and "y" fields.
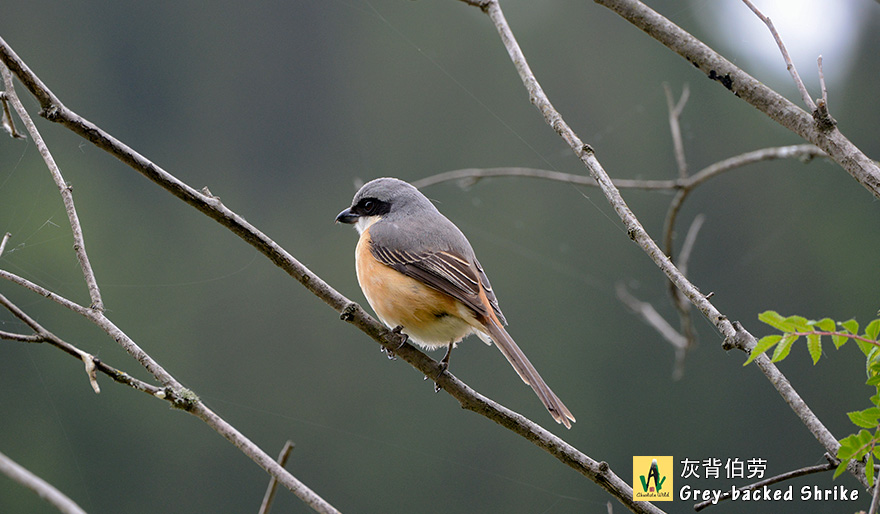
{"x": 445, "y": 271}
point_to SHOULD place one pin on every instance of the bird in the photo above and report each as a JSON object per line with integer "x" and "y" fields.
{"x": 422, "y": 278}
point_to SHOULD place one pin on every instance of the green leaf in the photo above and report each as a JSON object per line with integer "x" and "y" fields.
{"x": 839, "y": 340}
{"x": 764, "y": 344}
{"x": 872, "y": 366}
{"x": 773, "y": 318}
{"x": 848, "y": 447}
{"x": 796, "y": 324}
{"x": 840, "y": 468}
{"x": 814, "y": 345}
{"x": 869, "y": 470}
{"x": 873, "y": 329}
{"x": 864, "y": 439}
{"x": 783, "y": 348}
{"x": 851, "y": 326}
{"x": 872, "y": 413}
{"x": 825, "y": 325}
{"x": 866, "y": 348}
{"x": 861, "y": 419}
{"x": 873, "y": 381}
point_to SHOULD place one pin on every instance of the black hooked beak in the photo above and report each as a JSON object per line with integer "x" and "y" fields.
{"x": 347, "y": 217}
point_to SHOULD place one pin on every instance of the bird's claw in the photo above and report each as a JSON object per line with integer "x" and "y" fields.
{"x": 398, "y": 330}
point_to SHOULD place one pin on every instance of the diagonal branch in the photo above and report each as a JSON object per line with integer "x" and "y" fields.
{"x": 746, "y": 87}
{"x": 44, "y": 489}
{"x": 79, "y": 244}
{"x": 174, "y": 392}
{"x": 3, "y": 242}
{"x": 42, "y": 335}
{"x": 789, "y": 64}
{"x": 266, "y": 506}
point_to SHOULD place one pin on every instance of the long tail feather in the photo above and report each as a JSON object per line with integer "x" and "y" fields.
{"x": 528, "y": 373}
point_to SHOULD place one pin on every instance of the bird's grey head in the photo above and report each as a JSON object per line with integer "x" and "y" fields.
{"x": 381, "y": 197}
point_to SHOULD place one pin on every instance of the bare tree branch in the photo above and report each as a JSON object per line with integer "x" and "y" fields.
{"x": 649, "y": 314}
{"x": 44, "y": 489}
{"x": 266, "y": 506}
{"x": 469, "y": 176}
{"x": 690, "y": 239}
{"x": 875, "y": 499}
{"x": 809, "y": 470}
{"x": 179, "y": 396}
{"x": 675, "y": 109}
{"x": 6, "y": 118}
{"x": 79, "y": 244}
{"x": 42, "y": 335}
{"x": 789, "y": 65}
{"x": 3, "y": 242}
{"x": 746, "y": 87}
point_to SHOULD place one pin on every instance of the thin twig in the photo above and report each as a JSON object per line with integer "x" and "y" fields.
{"x": 821, "y": 114}
{"x": 24, "y": 338}
{"x": 789, "y": 65}
{"x": 273, "y": 484}
{"x": 42, "y": 335}
{"x": 681, "y": 304}
{"x": 46, "y": 336}
{"x": 679, "y": 301}
{"x": 174, "y": 392}
{"x": 822, "y": 81}
{"x": 675, "y": 109}
{"x": 43, "y": 489}
{"x": 875, "y": 499}
{"x": 7, "y": 121}
{"x": 79, "y": 244}
{"x": 3, "y": 242}
{"x": 809, "y": 470}
{"x": 470, "y": 176}
{"x": 690, "y": 239}
{"x": 804, "y": 151}
{"x": 42, "y": 291}
{"x": 653, "y": 318}
{"x": 745, "y": 87}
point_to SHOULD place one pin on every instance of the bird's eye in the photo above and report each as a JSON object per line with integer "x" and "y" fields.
{"x": 369, "y": 207}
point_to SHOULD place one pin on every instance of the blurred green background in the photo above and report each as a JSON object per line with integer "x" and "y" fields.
{"x": 282, "y": 109}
